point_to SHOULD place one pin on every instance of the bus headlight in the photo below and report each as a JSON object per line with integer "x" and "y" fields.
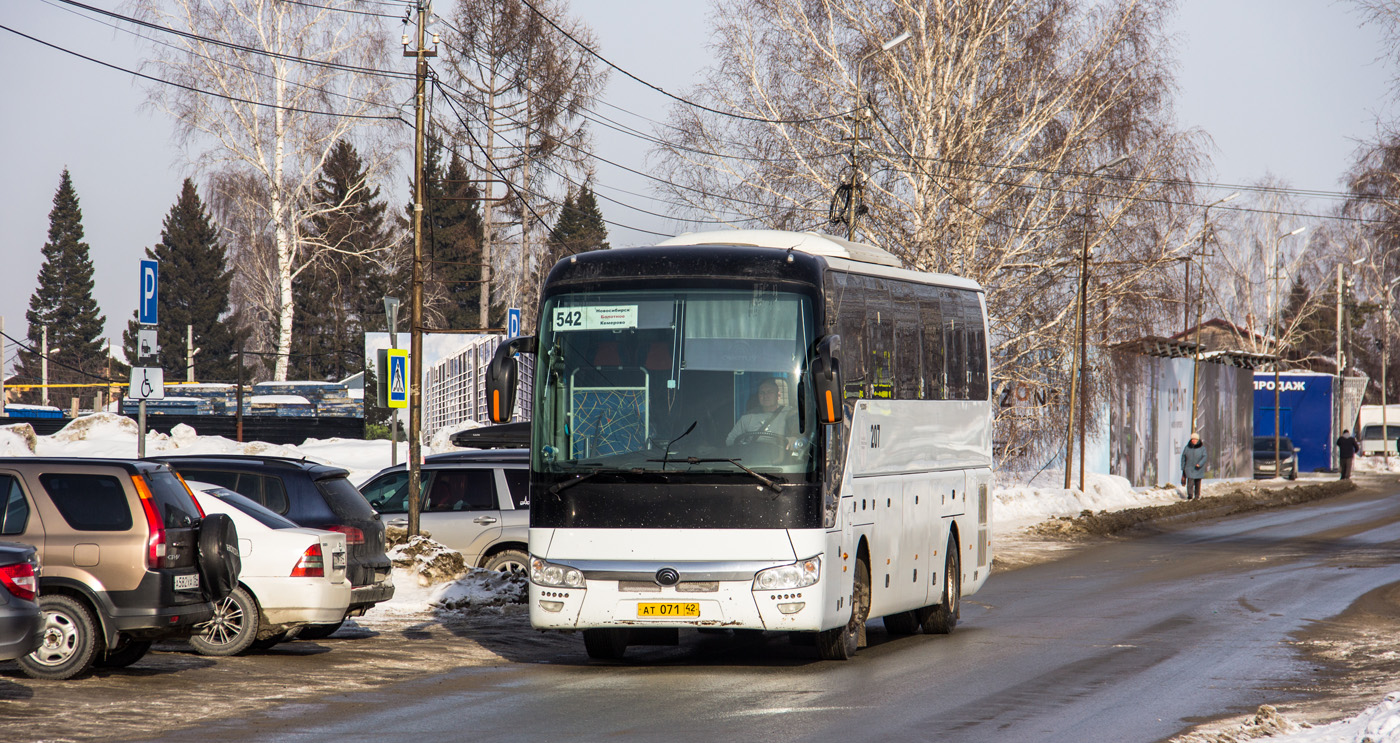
{"x": 556, "y": 576}
{"x": 799, "y": 574}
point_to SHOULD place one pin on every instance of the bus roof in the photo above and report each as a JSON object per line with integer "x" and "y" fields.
{"x": 841, "y": 253}
{"x": 811, "y": 243}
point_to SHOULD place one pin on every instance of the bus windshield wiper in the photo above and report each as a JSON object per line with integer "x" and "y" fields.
{"x": 562, "y": 485}
{"x": 766, "y": 480}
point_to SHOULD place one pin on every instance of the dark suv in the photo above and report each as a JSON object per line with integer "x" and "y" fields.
{"x": 310, "y": 494}
{"x": 127, "y": 556}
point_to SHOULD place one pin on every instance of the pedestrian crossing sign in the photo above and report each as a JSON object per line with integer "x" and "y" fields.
{"x": 396, "y": 378}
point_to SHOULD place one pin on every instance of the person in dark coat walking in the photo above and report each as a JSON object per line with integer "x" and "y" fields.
{"x": 1193, "y": 466}
{"x": 1346, "y": 449}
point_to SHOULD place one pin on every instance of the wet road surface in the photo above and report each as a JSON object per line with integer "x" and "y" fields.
{"x": 1128, "y": 640}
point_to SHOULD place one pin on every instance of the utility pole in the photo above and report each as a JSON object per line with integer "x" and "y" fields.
{"x": 415, "y": 343}
{"x": 44, "y": 366}
{"x": 1340, "y": 357}
{"x": 238, "y": 399}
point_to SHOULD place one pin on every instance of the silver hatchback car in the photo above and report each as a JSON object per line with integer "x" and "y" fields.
{"x": 475, "y": 502}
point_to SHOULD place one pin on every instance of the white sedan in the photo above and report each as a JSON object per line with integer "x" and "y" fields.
{"x": 292, "y": 577}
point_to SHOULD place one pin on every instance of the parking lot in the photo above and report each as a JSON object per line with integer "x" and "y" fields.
{"x": 173, "y": 686}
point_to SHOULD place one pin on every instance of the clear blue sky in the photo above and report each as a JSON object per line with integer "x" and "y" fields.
{"x": 1282, "y": 86}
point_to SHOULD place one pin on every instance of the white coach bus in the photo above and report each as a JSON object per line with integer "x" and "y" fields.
{"x": 754, "y": 430}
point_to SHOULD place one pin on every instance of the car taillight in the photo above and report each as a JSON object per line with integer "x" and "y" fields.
{"x": 197, "y": 507}
{"x": 155, "y": 525}
{"x": 311, "y": 564}
{"x": 352, "y": 534}
{"x": 20, "y": 580}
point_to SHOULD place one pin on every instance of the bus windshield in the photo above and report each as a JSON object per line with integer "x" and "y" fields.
{"x": 676, "y": 381}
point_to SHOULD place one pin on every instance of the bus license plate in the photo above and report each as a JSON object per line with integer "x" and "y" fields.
{"x": 186, "y": 582}
{"x": 668, "y": 609}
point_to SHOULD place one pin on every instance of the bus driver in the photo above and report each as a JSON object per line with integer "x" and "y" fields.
{"x": 768, "y": 420}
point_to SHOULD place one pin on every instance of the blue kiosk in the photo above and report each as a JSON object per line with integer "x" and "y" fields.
{"x": 1309, "y": 413}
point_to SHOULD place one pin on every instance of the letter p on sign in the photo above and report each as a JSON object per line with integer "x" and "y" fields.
{"x": 150, "y": 283}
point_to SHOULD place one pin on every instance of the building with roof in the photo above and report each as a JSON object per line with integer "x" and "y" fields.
{"x": 455, "y": 388}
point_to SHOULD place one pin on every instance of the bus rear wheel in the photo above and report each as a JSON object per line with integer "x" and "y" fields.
{"x": 941, "y": 618}
{"x": 841, "y": 643}
{"x": 605, "y": 644}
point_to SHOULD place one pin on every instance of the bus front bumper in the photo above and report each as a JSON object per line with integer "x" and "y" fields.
{"x": 727, "y": 604}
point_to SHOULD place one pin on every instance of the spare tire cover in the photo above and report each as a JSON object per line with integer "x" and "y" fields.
{"x": 219, "y": 563}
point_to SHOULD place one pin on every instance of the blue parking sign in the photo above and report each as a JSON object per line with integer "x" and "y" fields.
{"x": 513, "y": 322}
{"x": 150, "y": 292}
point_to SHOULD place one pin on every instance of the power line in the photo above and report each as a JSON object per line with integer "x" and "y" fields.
{"x": 194, "y": 89}
{"x": 620, "y": 166}
{"x": 240, "y": 47}
{"x": 668, "y": 94}
{"x": 119, "y": 27}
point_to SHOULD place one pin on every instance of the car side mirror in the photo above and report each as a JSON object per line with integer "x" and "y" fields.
{"x": 501, "y": 377}
{"x": 826, "y": 379}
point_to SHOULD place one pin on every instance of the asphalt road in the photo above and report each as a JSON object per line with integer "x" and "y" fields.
{"x": 1128, "y": 640}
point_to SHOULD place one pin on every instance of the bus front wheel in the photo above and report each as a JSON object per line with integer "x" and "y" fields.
{"x": 605, "y": 644}
{"x": 841, "y": 643}
{"x": 941, "y": 618}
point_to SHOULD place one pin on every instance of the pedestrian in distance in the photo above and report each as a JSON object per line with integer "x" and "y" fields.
{"x": 1346, "y": 449}
{"x": 1193, "y": 466}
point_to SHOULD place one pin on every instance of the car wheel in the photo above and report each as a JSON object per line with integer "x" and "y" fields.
{"x": 319, "y": 631}
{"x": 233, "y": 627}
{"x": 841, "y": 643}
{"x": 509, "y": 561}
{"x": 941, "y": 618}
{"x": 70, "y": 641}
{"x": 219, "y": 564}
{"x": 124, "y": 653}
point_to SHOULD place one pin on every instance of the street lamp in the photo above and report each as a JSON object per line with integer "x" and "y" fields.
{"x": 1200, "y": 305}
{"x": 853, "y": 209}
{"x": 1278, "y": 342}
{"x": 1079, "y": 368}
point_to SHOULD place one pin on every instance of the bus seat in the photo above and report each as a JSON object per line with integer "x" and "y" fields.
{"x": 659, "y": 357}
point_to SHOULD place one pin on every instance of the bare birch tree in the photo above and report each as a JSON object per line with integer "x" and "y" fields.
{"x": 268, "y": 89}
{"x": 524, "y": 86}
{"x": 979, "y": 139}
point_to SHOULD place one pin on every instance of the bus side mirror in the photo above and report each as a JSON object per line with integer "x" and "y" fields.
{"x": 826, "y": 379}
{"x": 500, "y": 377}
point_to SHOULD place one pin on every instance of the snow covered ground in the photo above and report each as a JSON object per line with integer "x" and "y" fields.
{"x": 1021, "y": 501}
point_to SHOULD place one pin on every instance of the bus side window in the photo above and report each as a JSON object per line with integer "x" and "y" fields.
{"x": 845, "y": 301}
{"x": 935, "y": 376}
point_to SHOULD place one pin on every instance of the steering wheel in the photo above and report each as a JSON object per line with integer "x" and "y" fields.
{"x": 761, "y": 437}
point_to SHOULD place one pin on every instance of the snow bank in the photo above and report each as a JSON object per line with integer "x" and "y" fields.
{"x": 1018, "y": 504}
{"x": 1378, "y": 724}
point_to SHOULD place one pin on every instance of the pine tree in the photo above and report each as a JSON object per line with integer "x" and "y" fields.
{"x": 580, "y": 228}
{"x": 454, "y": 234}
{"x": 340, "y": 296}
{"x": 194, "y": 291}
{"x": 63, "y": 302}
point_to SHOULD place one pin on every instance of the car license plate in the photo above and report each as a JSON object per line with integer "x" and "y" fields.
{"x": 186, "y": 582}
{"x": 668, "y": 609}
{"x": 337, "y": 561}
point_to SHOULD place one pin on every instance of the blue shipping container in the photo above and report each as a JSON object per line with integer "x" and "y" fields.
{"x": 1307, "y": 412}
